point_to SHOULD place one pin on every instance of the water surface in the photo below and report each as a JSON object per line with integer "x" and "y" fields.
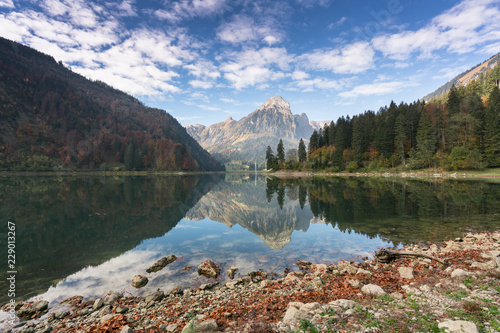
{"x": 88, "y": 235}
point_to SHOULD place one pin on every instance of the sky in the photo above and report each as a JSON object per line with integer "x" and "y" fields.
{"x": 204, "y": 61}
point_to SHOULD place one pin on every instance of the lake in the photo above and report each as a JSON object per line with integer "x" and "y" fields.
{"x": 85, "y": 235}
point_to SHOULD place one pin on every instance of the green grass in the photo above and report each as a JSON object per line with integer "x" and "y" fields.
{"x": 458, "y": 295}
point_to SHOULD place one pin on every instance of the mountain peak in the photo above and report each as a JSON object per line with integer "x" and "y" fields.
{"x": 278, "y": 103}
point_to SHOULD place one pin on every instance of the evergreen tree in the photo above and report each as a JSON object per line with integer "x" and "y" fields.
{"x": 302, "y": 151}
{"x": 270, "y": 159}
{"x": 453, "y": 101}
{"x": 426, "y": 141}
{"x": 313, "y": 142}
{"x": 281, "y": 154}
{"x": 492, "y": 129}
{"x": 400, "y": 138}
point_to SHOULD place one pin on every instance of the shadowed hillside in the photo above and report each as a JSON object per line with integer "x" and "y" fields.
{"x": 53, "y": 119}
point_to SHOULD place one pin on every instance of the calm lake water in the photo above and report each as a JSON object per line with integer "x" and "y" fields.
{"x": 88, "y": 235}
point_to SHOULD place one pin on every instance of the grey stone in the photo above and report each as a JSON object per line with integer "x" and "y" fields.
{"x": 293, "y": 314}
{"x": 111, "y": 298}
{"x": 209, "y": 269}
{"x": 161, "y": 263}
{"x": 172, "y": 327}
{"x": 97, "y": 304}
{"x": 459, "y": 273}
{"x": 459, "y": 326}
{"x": 155, "y": 297}
{"x": 60, "y": 314}
{"x": 372, "y": 289}
{"x": 195, "y": 326}
{"x": 121, "y": 309}
{"x": 139, "y": 281}
{"x": 406, "y": 272}
{"x": 29, "y": 309}
{"x": 310, "y": 307}
{"x": 126, "y": 329}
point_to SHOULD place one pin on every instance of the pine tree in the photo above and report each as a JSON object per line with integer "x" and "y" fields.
{"x": 453, "y": 101}
{"x": 281, "y": 154}
{"x": 313, "y": 143}
{"x": 426, "y": 140}
{"x": 302, "y": 151}
{"x": 270, "y": 158}
{"x": 400, "y": 138}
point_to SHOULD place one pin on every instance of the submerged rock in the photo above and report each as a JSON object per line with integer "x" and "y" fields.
{"x": 161, "y": 263}
{"x": 209, "y": 269}
{"x": 139, "y": 281}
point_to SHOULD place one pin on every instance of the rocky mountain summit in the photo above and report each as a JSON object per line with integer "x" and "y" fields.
{"x": 247, "y": 138}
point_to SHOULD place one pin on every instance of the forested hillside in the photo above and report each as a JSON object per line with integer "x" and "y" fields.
{"x": 459, "y": 131}
{"x": 54, "y": 119}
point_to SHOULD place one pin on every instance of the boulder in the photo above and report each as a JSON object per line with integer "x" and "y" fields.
{"x": 294, "y": 314}
{"x": 372, "y": 289}
{"x": 161, "y": 263}
{"x": 30, "y": 309}
{"x": 195, "y": 326}
{"x": 155, "y": 297}
{"x": 456, "y": 326}
{"x": 139, "y": 281}
{"x": 111, "y": 298}
{"x": 209, "y": 269}
{"x": 98, "y": 303}
{"x": 459, "y": 273}
{"x": 406, "y": 272}
{"x": 126, "y": 329}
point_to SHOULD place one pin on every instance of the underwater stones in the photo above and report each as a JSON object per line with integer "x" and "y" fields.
{"x": 209, "y": 269}
{"x": 161, "y": 263}
{"x": 139, "y": 281}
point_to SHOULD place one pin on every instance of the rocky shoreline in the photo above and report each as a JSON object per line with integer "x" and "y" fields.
{"x": 410, "y": 294}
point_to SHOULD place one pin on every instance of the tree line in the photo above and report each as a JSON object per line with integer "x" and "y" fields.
{"x": 458, "y": 131}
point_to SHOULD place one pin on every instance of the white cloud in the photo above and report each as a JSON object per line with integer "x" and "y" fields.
{"x": 300, "y": 75}
{"x": 352, "y": 59}
{"x": 7, "y": 3}
{"x": 337, "y": 23}
{"x": 178, "y": 10}
{"x": 319, "y": 83}
{"x": 243, "y": 28}
{"x": 204, "y": 69}
{"x": 254, "y": 67}
{"x": 375, "y": 89}
{"x": 464, "y": 28}
{"x": 198, "y": 84}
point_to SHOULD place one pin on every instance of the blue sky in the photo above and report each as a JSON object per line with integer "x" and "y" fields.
{"x": 206, "y": 60}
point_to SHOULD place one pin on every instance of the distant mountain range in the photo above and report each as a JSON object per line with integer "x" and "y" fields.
{"x": 248, "y": 138}
{"x": 54, "y": 119}
{"x": 464, "y": 78}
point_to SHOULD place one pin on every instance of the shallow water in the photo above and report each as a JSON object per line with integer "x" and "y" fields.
{"x": 88, "y": 235}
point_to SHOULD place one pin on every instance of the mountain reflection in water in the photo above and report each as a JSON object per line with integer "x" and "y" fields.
{"x": 88, "y": 235}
